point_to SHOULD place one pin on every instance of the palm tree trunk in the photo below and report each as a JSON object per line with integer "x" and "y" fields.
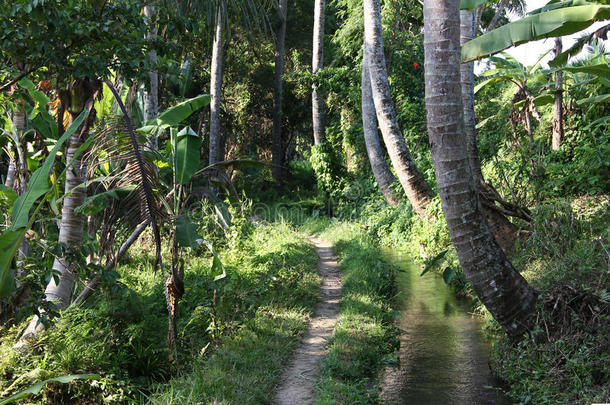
{"x": 317, "y": 101}
{"x": 379, "y": 166}
{"x": 71, "y": 224}
{"x": 504, "y": 230}
{"x": 151, "y": 96}
{"x": 216, "y": 87}
{"x": 467, "y": 33}
{"x": 558, "y": 107}
{"x": 10, "y": 173}
{"x": 504, "y": 292}
{"x": 417, "y": 190}
{"x": 276, "y": 148}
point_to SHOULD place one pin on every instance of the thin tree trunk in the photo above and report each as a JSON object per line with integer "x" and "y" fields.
{"x": 494, "y": 21}
{"x": 151, "y": 96}
{"x": 500, "y": 287}
{"x": 21, "y": 184}
{"x": 216, "y": 87}
{"x": 276, "y": 149}
{"x": 317, "y": 101}
{"x": 10, "y": 173}
{"x": 504, "y": 230}
{"x": 413, "y": 182}
{"x": 558, "y": 107}
{"x": 111, "y": 263}
{"x": 379, "y": 166}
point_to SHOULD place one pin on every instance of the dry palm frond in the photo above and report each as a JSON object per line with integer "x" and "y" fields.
{"x": 113, "y": 151}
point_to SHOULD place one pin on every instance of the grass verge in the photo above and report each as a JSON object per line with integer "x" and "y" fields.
{"x": 364, "y": 337}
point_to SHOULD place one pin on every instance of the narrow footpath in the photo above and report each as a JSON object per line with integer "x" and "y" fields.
{"x": 298, "y": 379}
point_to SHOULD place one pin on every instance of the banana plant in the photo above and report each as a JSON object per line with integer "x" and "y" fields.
{"x": 557, "y": 18}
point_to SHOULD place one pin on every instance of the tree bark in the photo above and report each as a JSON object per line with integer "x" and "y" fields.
{"x": 504, "y": 230}
{"x": 413, "y": 182}
{"x": 71, "y": 225}
{"x": 504, "y": 292}
{"x": 151, "y": 96}
{"x": 276, "y": 149}
{"x": 216, "y": 87}
{"x": 317, "y": 101}
{"x": 379, "y": 166}
{"x": 558, "y": 107}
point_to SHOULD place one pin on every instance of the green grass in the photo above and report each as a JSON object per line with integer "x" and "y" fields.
{"x": 568, "y": 246}
{"x": 364, "y": 337}
{"x": 261, "y": 311}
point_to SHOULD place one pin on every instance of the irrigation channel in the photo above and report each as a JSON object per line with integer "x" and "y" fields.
{"x": 443, "y": 357}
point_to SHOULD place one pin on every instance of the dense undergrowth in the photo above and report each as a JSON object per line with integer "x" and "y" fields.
{"x": 232, "y": 348}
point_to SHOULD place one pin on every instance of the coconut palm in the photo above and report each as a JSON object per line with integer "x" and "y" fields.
{"x": 503, "y": 291}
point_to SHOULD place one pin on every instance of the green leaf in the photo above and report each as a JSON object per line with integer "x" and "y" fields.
{"x": 35, "y": 389}
{"x": 38, "y": 96}
{"x": 562, "y": 21}
{"x": 188, "y": 146}
{"x": 39, "y": 182}
{"x": 448, "y": 274}
{"x": 595, "y": 99}
{"x": 187, "y": 232}
{"x": 95, "y": 203}
{"x": 223, "y": 214}
{"x": 433, "y": 262}
{"x": 218, "y": 270}
{"x": 176, "y": 114}
{"x": 8, "y": 195}
{"x": 544, "y": 99}
{"x": 9, "y": 244}
{"x": 472, "y": 4}
{"x": 600, "y": 70}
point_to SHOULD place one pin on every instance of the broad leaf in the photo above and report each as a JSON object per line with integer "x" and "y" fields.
{"x": 35, "y": 389}
{"x": 218, "y": 270}
{"x": 176, "y": 114}
{"x": 600, "y": 70}
{"x": 595, "y": 99}
{"x": 95, "y": 203}
{"x": 39, "y": 182}
{"x": 188, "y": 146}
{"x": 9, "y": 244}
{"x": 187, "y": 232}
{"x": 472, "y": 4}
{"x": 448, "y": 274}
{"x": 562, "y": 21}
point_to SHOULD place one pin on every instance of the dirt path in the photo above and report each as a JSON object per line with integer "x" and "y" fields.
{"x": 298, "y": 379}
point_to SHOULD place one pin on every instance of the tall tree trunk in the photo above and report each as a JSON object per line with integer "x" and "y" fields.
{"x": 500, "y": 287}
{"x": 467, "y": 33}
{"x": 216, "y": 87}
{"x": 276, "y": 149}
{"x": 151, "y": 96}
{"x": 504, "y": 230}
{"x": 413, "y": 182}
{"x": 21, "y": 184}
{"x": 558, "y": 107}
{"x": 71, "y": 224}
{"x": 379, "y": 166}
{"x": 317, "y": 101}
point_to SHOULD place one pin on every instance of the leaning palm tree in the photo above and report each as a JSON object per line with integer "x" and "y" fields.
{"x": 379, "y": 166}
{"x": 418, "y": 191}
{"x": 503, "y": 291}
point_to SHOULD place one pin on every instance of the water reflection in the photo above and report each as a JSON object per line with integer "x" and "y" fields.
{"x": 443, "y": 356}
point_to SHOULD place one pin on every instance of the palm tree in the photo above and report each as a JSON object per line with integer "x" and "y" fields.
{"x": 276, "y": 149}
{"x": 558, "y": 106}
{"x": 216, "y": 85}
{"x": 413, "y": 182}
{"x": 504, "y": 231}
{"x": 151, "y": 96}
{"x": 317, "y": 101}
{"x": 503, "y": 291}
{"x": 379, "y": 166}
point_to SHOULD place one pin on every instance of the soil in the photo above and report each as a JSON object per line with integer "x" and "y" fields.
{"x": 299, "y": 377}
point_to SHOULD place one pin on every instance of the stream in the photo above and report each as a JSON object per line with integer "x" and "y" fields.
{"x": 443, "y": 354}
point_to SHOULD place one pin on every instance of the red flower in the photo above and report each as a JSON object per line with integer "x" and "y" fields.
{"x": 415, "y": 65}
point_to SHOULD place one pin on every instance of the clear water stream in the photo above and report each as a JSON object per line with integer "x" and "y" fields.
{"x": 443, "y": 355}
